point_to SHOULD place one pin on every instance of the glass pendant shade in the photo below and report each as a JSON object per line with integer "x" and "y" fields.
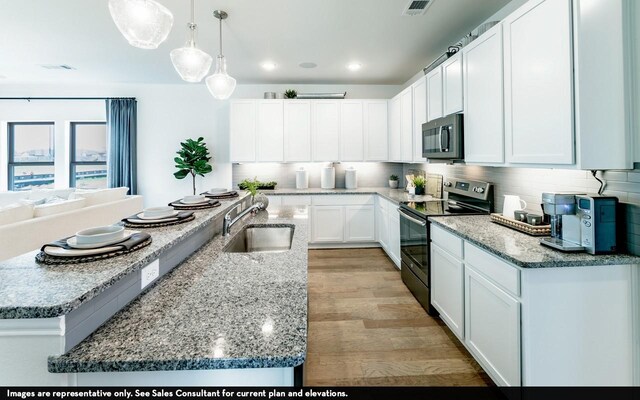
{"x": 144, "y": 23}
{"x": 220, "y": 84}
{"x": 191, "y": 63}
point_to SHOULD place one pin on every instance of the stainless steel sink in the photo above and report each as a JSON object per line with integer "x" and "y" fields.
{"x": 261, "y": 239}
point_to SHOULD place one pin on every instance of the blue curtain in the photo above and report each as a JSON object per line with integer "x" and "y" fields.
{"x": 122, "y": 130}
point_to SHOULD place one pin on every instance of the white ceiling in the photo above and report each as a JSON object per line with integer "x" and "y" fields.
{"x": 330, "y": 33}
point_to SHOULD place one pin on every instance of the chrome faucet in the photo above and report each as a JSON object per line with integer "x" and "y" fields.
{"x": 228, "y": 222}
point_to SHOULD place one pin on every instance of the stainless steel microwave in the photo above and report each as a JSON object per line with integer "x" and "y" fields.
{"x": 442, "y": 138}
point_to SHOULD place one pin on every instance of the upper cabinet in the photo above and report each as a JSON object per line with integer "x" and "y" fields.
{"x": 325, "y": 130}
{"x": 406, "y": 125}
{"x": 419, "y": 116}
{"x": 242, "y": 129}
{"x": 538, "y": 84}
{"x": 395, "y": 126}
{"x": 297, "y": 130}
{"x": 452, "y": 90}
{"x": 376, "y": 130}
{"x": 270, "y": 132}
{"x": 351, "y": 130}
{"x": 434, "y": 94}
{"x": 483, "y": 99}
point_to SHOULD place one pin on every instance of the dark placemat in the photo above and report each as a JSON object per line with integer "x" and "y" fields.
{"x": 180, "y": 206}
{"x": 45, "y": 258}
{"x": 223, "y": 196}
{"x": 188, "y": 216}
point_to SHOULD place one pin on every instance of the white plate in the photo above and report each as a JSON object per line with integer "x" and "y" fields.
{"x": 72, "y": 242}
{"x": 194, "y": 203}
{"x": 217, "y": 191}
{"x": 99, "y": 234}
{"x": 151, "y": 221}
{"x": 60, "y": 252}
{"x": 159, "y": 218}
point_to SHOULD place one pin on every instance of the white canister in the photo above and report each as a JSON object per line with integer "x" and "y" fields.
{"x": 328, "y": 178}
{"x": 302, "y": 179}
{"x": 350, "y": 178}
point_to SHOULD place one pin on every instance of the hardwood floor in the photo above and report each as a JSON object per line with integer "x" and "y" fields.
{"x": 365, "y": 328}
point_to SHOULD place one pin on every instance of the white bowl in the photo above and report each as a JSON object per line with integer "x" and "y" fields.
{"x": 194, "y": 199}
{"x": 158, "y": 212}
{"x": 99, "y": 234}
{"x": 218, "y": 190}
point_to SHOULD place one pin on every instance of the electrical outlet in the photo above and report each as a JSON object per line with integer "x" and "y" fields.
{"x": 149, "y": 273}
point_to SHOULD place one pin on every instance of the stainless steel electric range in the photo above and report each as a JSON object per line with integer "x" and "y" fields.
{"x": 464, "y": 197}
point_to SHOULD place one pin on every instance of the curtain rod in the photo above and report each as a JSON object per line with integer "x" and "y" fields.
{"x": 67, "y": 98}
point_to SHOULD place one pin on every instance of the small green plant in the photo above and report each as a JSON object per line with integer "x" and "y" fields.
{"x": 393, "y": 178}
{"x": 193, "y": 160}
{"x": 419, "y": 181}
{"x": 290, "y": 94}
{"x": 250, "y": 186}
{"x": 261, "y": 185}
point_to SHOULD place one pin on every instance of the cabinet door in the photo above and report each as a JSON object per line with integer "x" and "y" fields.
{"x": 538, "y": 74}
{"x": 351, "y": 131}
{"x": 325, "y": 129}
{"x": 376, "y": 130}
{"x": 492, "y": 328}
{"x": 359, "y": 224}
{"x": 270, "y": 144}
{"x": 452, "y": 93}
{"x": 434, "y": 94}
{"x": 419, "y": 117}
{"x": 394, "y": 234}
{"x": 297, "y": 130}
{"x": 483, "y": 99}
{"x": 395, "y": 152}
{"x": 327, "y": 224}
{"x": 382, "y": 224}
{"x": 242, "y": 130}
{"x": 406, "y": 125}
{"x": 447, "y": 289}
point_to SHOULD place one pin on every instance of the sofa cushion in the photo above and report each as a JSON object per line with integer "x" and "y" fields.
{"x": 16, "y": 212}
{"x": 7, "y": 198}
{"x": 39, "y": 194}
{"x": 57, "y": 207}
{"x": 100, "y": 196}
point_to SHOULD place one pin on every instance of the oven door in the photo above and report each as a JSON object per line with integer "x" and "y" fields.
{"x": 414, "y": 250}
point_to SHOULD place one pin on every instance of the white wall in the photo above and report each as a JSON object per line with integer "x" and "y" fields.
{"x": 167, "y": 114}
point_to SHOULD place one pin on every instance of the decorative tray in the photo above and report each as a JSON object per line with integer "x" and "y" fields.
{"x": 533, "y": 230}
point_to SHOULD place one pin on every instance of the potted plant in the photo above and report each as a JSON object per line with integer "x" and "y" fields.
{"x": 290, "y": 94}
{"x": 393, "y": 181}
{"x": 252, "y": 187}
{"x": 193, "y": 159}
{"x": 419, "y": 182}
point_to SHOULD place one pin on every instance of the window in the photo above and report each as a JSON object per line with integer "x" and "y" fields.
{"x": 88, "y": 155}
{"x": 31, "y": 155}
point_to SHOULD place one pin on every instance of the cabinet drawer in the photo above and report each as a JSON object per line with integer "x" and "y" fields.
{"x": 342, "y": 200}
{"x": 505, "y": 275}
{"x": 446, "y": 240}
{"x": 275, "y": 200}
{"x": 296, "y": 200}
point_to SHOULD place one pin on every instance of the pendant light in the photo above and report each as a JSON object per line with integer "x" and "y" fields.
{"x": 220, "y": 84}
{"x": 191, "y": 63}
{"x": 144, "y": 23}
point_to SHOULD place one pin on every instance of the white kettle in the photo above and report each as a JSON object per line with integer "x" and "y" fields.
{"x": 512, "y": 203}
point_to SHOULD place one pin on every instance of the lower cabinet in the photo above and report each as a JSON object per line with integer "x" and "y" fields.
{"x": 359, "y": 224}
{"x": 382, "y": 223}
{"x": 394, "y": 234}
{"x": 326, "y": 226}
{"x": 447, "y": 289}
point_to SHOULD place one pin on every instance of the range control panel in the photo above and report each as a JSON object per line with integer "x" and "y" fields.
{"x": 475, "y": 189}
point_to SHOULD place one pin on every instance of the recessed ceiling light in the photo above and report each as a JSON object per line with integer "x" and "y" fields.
{"x": 57, "y": 66}
{"x": 308, "y": 65}
{"x": 268, "y": 65}
{"x": 354, "y": 66}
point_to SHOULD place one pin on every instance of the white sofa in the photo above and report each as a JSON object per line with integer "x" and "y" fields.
{"x": 26, "y": 225}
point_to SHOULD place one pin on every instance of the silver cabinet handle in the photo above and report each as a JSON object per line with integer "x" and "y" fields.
{"x": 417, "y": 221}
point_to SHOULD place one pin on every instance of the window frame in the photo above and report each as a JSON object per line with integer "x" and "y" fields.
{"x": 72, "y": 147}
{"x": 11, "y": 162}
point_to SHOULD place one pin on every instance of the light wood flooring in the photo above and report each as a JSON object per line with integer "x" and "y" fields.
{"x": 365, "y": 328}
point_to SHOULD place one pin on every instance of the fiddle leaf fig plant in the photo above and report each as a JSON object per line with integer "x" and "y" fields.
{"x": 193, "y": 159}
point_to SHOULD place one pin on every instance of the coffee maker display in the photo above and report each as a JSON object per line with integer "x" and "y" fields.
{"x": 565, "y": 224}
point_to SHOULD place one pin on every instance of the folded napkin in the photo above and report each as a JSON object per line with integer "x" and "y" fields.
{"x": 61, "y": 248}
{"x": 134, "y": 218}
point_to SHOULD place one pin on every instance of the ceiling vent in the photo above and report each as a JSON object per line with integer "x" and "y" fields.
{"x": 416, "y": 8}
{"x": 57, "y": 66}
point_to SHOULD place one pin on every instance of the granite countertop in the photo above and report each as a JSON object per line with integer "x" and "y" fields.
{"x": 520, "y": 249}
{"x": 32, "y": 290}
{"x": 215, "y": 311}
{"x": 396, "y": 195}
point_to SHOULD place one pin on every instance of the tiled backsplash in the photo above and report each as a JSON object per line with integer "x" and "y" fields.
{"x": 371, "y": 174}
{"x": 529, "y": 183}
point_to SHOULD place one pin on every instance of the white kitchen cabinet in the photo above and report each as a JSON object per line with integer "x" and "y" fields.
{"x": 359, "y": 223}
{"x": 325, "y": 130}
{"x": 483, "y": 99}
{"x": 382, "y": 223}
{"x": 394, "y": 233}
{"x": 395, "y": 127}
{"x": 327, "y": 226}
{"x": 406, "y": 125}
{"x": 452, "y": 88}
{"x": 242, "y": 128}
{"x": 434, "y": 94}
{"x": 492, "y": 328}
{"x": 376, "y": 130}
{"x": 447, "y": 288}
{"x": 297, "y": 130}
{"x": 538, "y": 83}
{"x": 270, "y": 131}
{"x": 351, "y": 130}
{"x": 419, "y": 116}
